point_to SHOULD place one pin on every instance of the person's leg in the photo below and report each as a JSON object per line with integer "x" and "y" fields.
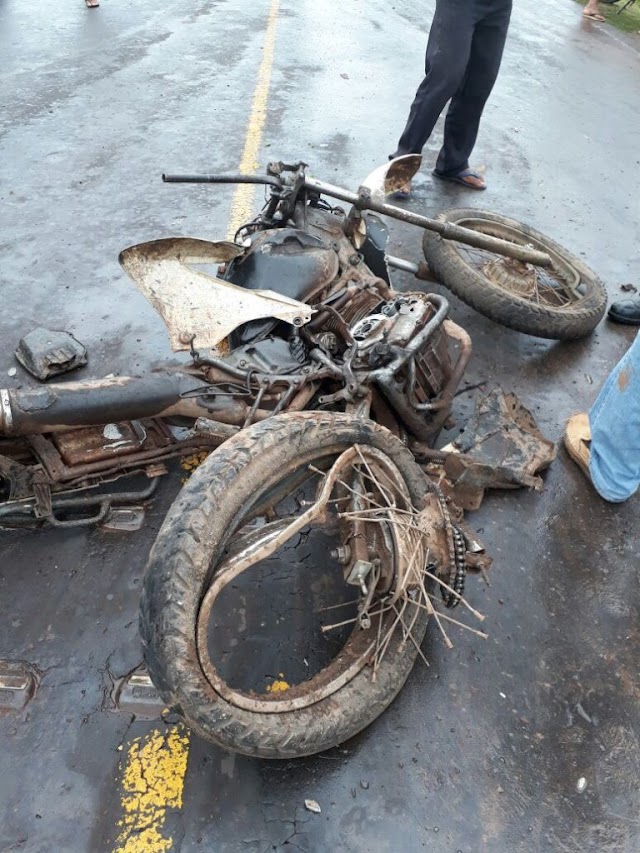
{"x": 448, "y": 51}
{"x": 614, "y": 419}
{"x": 591, "y": 10}
{"x": 465, "y": 111}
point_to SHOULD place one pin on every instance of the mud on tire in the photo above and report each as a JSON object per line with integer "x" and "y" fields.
{"x": 574, "y": 320}
{"x": 190, "y": 544}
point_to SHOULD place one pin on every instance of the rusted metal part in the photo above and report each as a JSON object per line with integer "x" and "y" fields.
{"x": 421, "y": 271}
{"x": 383, "y": 414}
{"x": 109, "y": 400}
{"x": 273, "y": 536}
{"x": 358, "y": 540}
{"x": 447, "y": 230}
{"x": 18, "y": 476}
{"x": 476, "y": 557}
{"x": 219, "y": 432}
{"x": 372, "y": 198}
{"x": 236, "y": 412}
{"x": 427, "y": 354}
{"x": 95, "y": 444}
{"x": 198, "y": 308}
{"x": 557, "y": 285}
{"x": 413, "y": 534}
{"x": 59, "y": 472}
{"x": 501, "y": 447}
{"x": 46, "y": 353}
{"x": 69, "y": 508}
{"x": 354, "y": 656}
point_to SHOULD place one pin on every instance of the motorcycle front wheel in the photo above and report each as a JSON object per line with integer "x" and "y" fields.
{"x": 561, "y": 302}
{"x": 292, "y": 500}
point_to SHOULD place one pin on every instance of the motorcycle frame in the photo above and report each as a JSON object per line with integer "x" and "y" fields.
{"x": 33, "y": 413}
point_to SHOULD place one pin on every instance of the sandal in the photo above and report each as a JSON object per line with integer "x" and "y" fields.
{"x": 577, "y": 440}
{"x": 461, "y": 178}
{"x": 593, "y": 16}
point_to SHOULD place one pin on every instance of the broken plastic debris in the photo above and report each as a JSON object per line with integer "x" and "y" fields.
{"x": 46, "y": 353}
{"x": 581, "y": 784}
{"x": 312, "y": 806}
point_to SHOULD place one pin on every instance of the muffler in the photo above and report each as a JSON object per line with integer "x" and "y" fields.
{"x": 52, "y": 408}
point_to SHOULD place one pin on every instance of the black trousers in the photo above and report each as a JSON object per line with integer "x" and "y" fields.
{"x": 463, "y": 58}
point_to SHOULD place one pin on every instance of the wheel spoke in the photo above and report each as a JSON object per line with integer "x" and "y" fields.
{"x": 545, "y": 286}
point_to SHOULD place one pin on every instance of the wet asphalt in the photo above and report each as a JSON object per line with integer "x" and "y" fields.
{"x": 482, "y": 751}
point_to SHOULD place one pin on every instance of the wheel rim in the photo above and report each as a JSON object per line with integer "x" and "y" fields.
{"x": 558, "y": 286}
{"x": 366, "y": 490}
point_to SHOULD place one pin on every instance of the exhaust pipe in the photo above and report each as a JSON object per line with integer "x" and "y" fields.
{"x": 75, "y": 404}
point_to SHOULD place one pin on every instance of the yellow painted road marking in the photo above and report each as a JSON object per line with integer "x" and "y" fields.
{"x": 154, "y": 769}
{"x": 243, "y": 198}
{"x": 152, "y": 783}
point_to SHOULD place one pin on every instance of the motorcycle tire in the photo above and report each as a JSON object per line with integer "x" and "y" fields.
{"x": 228, "y": 487}
{"x": 565, "y": 302}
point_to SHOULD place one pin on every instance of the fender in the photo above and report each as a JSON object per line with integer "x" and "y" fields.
{"x": 197, "y": 308}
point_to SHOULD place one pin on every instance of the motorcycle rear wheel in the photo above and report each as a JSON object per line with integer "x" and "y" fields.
{"x": 202, "y": 535}
{"x": 562, "y": 302}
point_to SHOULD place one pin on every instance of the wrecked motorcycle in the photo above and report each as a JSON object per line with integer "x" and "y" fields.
{"x": 323, "y": 390}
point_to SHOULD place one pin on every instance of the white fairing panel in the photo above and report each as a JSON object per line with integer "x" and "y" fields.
{"x": 194, "y": 305}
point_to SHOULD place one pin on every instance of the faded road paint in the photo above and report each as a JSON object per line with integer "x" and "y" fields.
{"x": 153, "y": 772}
{"x": 152, "y": 783}
{"x": 242, "y": 207}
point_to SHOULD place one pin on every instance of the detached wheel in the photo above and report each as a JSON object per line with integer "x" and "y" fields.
{"x": 280, "y": 494}
{"x": 561, "y": 302}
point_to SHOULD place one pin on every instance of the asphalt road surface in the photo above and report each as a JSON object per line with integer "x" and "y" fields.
{"x": 484, "y": 750}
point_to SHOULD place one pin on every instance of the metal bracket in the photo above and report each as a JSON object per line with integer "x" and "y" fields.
{"x": 136, "y": 695}
{"x": 359, "y": 574}
{"x": 18, "y": 684}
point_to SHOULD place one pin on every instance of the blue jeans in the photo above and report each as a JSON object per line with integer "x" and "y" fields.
{"x": 615, "y": 430}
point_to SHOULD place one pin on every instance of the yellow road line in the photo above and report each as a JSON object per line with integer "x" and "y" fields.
{"x": 243, "y": 198}
{"x": 154, "y": 769}
{"x": 152, "y": 783}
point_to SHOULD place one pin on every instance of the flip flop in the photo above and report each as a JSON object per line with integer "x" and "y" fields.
{"x": 577, "y": 440}
{"x": 460, "y": 178}
{"x": 593, "y": 16}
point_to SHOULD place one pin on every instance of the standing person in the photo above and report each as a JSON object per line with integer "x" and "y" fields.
{"x": 463, "y": 58}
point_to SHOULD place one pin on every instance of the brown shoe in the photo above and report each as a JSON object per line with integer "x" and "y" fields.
{"x": 577, "y": 440}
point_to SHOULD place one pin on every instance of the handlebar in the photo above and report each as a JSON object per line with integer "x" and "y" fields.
{"x": 362, "y": 200}
{"x": 267, "y": 180}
